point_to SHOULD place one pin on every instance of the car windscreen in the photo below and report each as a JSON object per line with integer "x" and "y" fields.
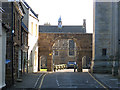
{"x": 71, "y": 62}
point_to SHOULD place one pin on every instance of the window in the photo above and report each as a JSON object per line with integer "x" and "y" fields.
{"x": 104, "y": 50}
{"x": 31, "y": 58}
{"x": 71, "y": 48}
{"x": 26, "y": 39}
{"x": 32, "y": 28}
{"x": 36, "y": 30}
{"x": 18, "y": 30}
{"x": 22, "y": 38}
{"x": 35, "y": 58}
{"x": 56, "y": 53}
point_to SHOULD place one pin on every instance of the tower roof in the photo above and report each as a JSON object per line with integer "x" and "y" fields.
{"x": 59, "y": 20}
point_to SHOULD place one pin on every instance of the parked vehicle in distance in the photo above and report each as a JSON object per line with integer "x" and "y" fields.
{"x": 71, "y": 64}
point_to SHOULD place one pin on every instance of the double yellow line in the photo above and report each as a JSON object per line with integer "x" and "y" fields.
{"x": 42, "y": 80}
{"x": 88, "y": 73}
{"x": 98, "y": 81}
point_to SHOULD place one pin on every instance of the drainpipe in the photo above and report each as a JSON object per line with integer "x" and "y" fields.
{"x": 21, "y": 45}
{"x": 12, "y": 46}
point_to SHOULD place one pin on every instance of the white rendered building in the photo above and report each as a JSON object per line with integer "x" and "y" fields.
{"x": 2, "y": 51}
{"x": 32, "y": 40}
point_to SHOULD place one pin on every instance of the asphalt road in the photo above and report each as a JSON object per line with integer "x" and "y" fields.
{"x": 68, "y": 79}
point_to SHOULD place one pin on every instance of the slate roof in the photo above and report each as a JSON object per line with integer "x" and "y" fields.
{"x": 30, "y": 8}
{"x": 65, "y": 29}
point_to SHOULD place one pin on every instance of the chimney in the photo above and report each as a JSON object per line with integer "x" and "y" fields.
{"x": 84, "y": 23}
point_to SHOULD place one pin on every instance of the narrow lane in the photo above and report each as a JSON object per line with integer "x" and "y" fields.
{"x": 69, "y": 80}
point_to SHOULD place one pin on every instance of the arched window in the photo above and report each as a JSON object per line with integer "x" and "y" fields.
{"x": 71, "y": 48}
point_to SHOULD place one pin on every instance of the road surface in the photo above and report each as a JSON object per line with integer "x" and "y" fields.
{"x": 68, "y": 79}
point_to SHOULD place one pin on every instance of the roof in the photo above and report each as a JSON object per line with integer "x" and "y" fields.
{"x": 65, "y": 29}
{"x": 30, "y": 8}
{"x": 59, "y": 20}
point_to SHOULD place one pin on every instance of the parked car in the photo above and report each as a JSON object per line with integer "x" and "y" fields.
{"x": 71, "y": 64}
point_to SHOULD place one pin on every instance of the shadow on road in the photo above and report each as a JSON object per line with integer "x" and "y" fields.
{"x": 71, "y": 70}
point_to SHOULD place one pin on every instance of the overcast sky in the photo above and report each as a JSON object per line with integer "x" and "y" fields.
{"x": 72, "y": 12}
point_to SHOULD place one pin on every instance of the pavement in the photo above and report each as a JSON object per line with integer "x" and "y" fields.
{"x": 29, "y": 80}
{"x": 112, "y": 82}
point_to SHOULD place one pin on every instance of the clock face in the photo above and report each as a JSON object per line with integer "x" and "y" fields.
{"x": 59, "y": 25}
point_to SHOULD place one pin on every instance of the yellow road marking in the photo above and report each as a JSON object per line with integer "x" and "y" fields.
{"x": 98, "y": 82}
{"x": 42, "y": 80}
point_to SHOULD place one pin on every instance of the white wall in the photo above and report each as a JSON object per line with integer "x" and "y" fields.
{"x": 2, "y": 56}
{"x": 2, "y": 52}
{"x": 33, "y": 44}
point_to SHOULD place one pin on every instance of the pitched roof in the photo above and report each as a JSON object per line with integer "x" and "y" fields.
{"x": 30, "y": 8}
{"x": 65, "y": 29}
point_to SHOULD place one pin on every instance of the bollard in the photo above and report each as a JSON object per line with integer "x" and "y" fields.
{"x": 54, "y": 69}
{"x": 74, "y": 68}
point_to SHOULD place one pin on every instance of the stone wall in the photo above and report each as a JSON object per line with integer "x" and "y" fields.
{"x": 105, "y": 36}
{"x": 24, "y": 56}
{"x": 62, "y": 47}
{"x": 47, "y": 40}
{"x": 16, "y": 25}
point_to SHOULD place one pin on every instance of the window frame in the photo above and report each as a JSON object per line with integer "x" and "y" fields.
{"x": 32, "y": 28}
{"x": 55, "y": 53}
{"x": 36, "y": 32}
{"x": 73, "y": 48}
{"x": 104, "y": 51}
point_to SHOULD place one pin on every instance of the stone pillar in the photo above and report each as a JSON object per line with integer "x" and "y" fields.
{"x": 49, "y": 61}
{"x": 114, "y": 38}
{"x": 79, "y": 61}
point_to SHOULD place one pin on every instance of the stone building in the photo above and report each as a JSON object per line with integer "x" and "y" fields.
{"x": 32, "y": 39}
{"x": 60, "y": 44}
{"x": 24, "y": 41}
{"x": 12, "y": 16}
{"x": 106, "y": 37}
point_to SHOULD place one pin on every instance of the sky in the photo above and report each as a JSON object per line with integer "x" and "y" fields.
{"x": 72, "y": 12}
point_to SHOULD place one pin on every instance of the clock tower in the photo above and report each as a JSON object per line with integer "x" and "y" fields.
{"x": 60, "y": 23}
